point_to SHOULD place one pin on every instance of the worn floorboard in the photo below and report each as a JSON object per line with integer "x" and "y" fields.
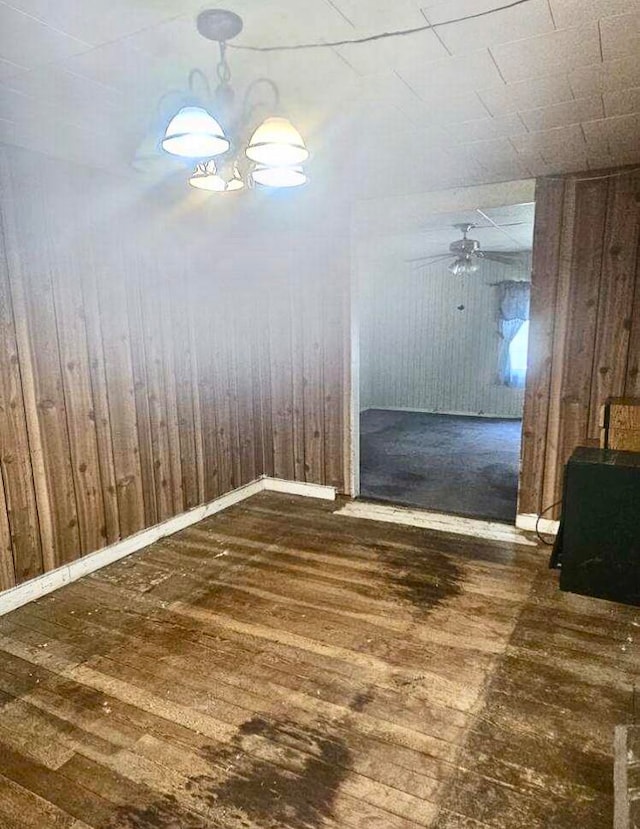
{"x": 281, "y": 666}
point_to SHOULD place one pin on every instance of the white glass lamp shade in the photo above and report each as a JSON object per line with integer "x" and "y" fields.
{"x": 279, "y": 176}
{"x": 206, "y": 177}
{"x": 193, "y": 133}
{"x": 277, "y": 143}
{"x": 463, "y": 266}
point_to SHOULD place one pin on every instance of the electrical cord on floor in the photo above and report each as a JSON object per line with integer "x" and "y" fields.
{"x": 545, "y": 510}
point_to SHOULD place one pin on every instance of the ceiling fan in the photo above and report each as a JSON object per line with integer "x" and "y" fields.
{"x": 466, "y": 254}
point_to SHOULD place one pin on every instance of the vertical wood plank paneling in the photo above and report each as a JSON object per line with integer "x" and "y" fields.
{"x": 335, "y": 284}
{"x": 15, "y": 457}
{"x": 632, "y": 378}
{"x": 299, "y": 314}
{"x": 181, "y": 374}
{"x": 80, "y": 416}
{"x": 256, "y": 348}
{"x": 262, "y": 358}
{"x": 204, "y": 324}
{"x": 191, "y": 343}
{"x": 120, "y": 391}
{"x": 39, "y": 354}
{"x": 552, "y": 461}
{"x": 348, "y": 336}
{"x": 247, "y": 429}
{"x": 139, "y": 380}
{"x": 550, "y": 194}
{"x": 220, "y": 345}
{"x": 141, "y": 401}
{"x": 7, "y": 563}
{"x": 76, "y": 380}
{"x": 280, "y": 378}
{"x": 7, "y": 566}
{"x": 587, "y": 247}
{"x": 593, "y": 296}
{"x": 230, "y": 352}
{"x": 154, "y": 367}
{"x": 616, "y": 296}
{"x": 313, "y": 382}
{"x": 168, "y": 340}
{"x": 11, "y": 224}
{"x": 98, "y": 381}
{"x": 247, "y": 390}
{"x": 157, "y": 413}
{"x": 304, "y": 369}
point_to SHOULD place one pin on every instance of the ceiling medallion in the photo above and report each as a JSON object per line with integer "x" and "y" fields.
{"x": 231, "y": 150}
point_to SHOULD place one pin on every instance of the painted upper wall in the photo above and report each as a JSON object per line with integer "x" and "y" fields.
{"x": 418, "y": 351}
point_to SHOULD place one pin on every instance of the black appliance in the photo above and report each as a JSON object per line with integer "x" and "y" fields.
{"x": 598, "y": 544}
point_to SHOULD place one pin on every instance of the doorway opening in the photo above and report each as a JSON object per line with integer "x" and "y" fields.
{"x": 443, "y": 335}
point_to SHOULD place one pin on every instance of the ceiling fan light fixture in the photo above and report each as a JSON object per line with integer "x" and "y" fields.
{"x": 194, "y": 133}
{"x": 463, "y": 266}
{"x": 277, "y": 143}
{"x": 279, "y": 176}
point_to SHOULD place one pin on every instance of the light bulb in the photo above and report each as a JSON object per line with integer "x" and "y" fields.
{"x": 207, "y": 177}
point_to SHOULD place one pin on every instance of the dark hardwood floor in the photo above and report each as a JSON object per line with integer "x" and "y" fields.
{"x": 280, "y": 666}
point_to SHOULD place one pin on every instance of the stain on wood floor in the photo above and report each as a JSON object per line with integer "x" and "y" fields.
{"x": 279, "y": 666}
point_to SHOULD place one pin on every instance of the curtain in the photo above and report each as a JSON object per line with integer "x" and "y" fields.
{"x": 513, "y": 311}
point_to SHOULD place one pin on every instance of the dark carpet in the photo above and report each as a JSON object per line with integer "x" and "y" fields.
{"x": 448, "y": 463}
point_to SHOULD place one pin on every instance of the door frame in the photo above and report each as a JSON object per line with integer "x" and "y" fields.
{"x": 446, "y": 201}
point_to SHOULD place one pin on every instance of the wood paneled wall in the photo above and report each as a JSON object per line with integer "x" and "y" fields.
{"x": 298, "y": 312}
{"x": 154, "y": 355}
{"x": 585, "y": 321}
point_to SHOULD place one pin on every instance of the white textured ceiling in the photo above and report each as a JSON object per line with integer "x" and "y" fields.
{"x": 508, "y": 228}
{"x": 547, "y": 86}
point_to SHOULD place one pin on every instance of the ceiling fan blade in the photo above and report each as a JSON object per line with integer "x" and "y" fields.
{"x": 499, "y": 225}
{"x": 507, "y": 253}
{"x": 498, "y": 257}
{"x": 435, "y": 258}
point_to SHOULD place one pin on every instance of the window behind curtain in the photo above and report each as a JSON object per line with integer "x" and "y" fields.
{"x": 518, "y": 348}
{"x": 513, "y": 327}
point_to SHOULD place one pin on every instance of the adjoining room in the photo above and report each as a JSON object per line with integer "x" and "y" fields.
{"x": 444, "y": 318}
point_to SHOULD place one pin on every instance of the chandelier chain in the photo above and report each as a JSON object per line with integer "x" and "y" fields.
{"x": 223, "y": 70}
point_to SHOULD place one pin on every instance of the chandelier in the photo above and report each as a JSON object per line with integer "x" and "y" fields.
{"x": 239, "y": 154}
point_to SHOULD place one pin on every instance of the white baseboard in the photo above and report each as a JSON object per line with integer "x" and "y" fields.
{"x": 442, "y": 522}
{"x": 328, "y": 493}
{"x": 440, "y": 412}
{"x": 529, "y": 521}
{"x": 48, "y": 582}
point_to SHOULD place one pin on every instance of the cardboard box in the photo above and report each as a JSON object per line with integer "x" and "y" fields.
{"x": 620, "y": 424}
